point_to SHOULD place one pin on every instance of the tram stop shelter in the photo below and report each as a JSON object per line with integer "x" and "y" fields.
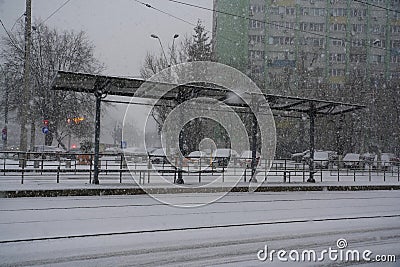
{"x": 101, "y": 86}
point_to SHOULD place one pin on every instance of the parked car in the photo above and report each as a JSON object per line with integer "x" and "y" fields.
{"x": 368, "y": 158}
{"x": 158, "y": 156}
{"x": 73, "y": 153}
{"x": 321, "y": 159}
{"x": 246, "y": 157}
{"x": 51, "y": 152}
{"x": 353, "y": 160}
{"x": 298, "y": 157}
{"x": 386, "y": 161}
{"x": 222, "y": 156}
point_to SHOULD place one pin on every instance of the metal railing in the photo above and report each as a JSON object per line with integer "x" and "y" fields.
{"x": 119, "y": 167}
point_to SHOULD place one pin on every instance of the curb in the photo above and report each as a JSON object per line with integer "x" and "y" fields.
{"x": 160, "y": 190}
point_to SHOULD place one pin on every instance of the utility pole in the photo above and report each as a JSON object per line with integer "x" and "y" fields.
{"x": 23, "y": 145}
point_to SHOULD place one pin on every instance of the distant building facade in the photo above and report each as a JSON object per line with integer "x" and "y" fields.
{"x": 321, "y": 41}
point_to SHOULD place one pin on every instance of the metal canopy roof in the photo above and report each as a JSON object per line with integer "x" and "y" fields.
{"x": 89, "y": 83}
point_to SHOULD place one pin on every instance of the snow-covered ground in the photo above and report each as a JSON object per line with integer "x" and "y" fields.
{"x": 139, "y": 231}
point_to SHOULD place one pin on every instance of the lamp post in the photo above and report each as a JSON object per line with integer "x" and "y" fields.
{"x": 4, "y": 130}
{"x": 173, "y": 47}
{"x": 179, "y": 100}
{"x": 162, "y": 48}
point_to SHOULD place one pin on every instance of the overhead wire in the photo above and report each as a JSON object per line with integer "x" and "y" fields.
{"x": 378, "y": 6}
{"x": 15, "y": 23}
{"x": 55, "y": 11}
{"x": 175, "y": 17}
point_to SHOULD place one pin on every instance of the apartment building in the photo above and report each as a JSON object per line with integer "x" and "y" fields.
{"x": 312, "y": 41}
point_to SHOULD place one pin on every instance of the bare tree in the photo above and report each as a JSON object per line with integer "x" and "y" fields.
{"x": 193, "y": 48}
{"x": 52, "y": 50}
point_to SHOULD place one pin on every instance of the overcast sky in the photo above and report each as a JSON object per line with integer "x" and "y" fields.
{"x": 120, "y": 29}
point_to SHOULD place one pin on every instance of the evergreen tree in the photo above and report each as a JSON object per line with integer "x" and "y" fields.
{"x": 200, "y": 46}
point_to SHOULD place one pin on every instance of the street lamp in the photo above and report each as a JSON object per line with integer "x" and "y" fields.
{"x": 162, "y": 48}
{"x": 173, "y": 46}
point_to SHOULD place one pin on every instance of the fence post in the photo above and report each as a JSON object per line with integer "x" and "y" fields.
{"x": 106, "y": 167}
{"x": 23, "y": 171}
{"x": 384, "y": 173}
{"x": 120, "y": 169}
{"x": 369, "y": 172}
{"x": 304, "y": 172}
{"x": 338, "y": 171}
{"x": 223, "y": 173}
{"x": 58, "y": 173}
{"x": 90, "y": 170}
{"x": 41, "y": 167}
{"x": 354, "y": 174}
{"x": 4, "y": 164}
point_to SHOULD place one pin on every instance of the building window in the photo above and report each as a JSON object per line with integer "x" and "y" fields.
{"x": 256, "y": 39}
{"x": 256, "y": 9}
{"x": 358, "y": 42}
{"x": 356, "y": 58}
{"x": 291, "y": 11}
{"x": 282, "y": 40}
{"x": 315, "y": 12}
{"x": 395, "y": 59}
{"x": 316, "y": 27}
{"x": 256, "y": 54}
{"x": 378, "y": 58}
{"x": 358, "y": 27}
{"x": 358, "y": 12}
{"x": 395, "y": 29}
{"x": 378, "y": 43}
{"x": 337, "y": 58}
{"x": 378, "y": 29}
{"x": 337, "y": 72}
{"x": 336, "y": 86}
{"x": 255, "y": 24}
{"x": 336, "y": 42}
{"x": 282, "y": 25}
{"x": 338, "y": 27}
{"x": 338, "y": 12}
{"x": 395, "y": 75}
{"x": 274, "y": 10}
{"x": 395, "y": 44}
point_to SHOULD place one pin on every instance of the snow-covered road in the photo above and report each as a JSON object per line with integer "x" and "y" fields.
{"x": 137, "y": 230}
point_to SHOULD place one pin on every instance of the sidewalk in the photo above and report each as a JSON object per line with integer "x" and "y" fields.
{"x": 86, "y": 189}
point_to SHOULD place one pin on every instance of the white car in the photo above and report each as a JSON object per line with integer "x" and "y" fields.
{"x": 222, "y": 156}
{"x": 387, "y": 160}
{"x": 352, "y": 160}
{"x": 321, "y": 159}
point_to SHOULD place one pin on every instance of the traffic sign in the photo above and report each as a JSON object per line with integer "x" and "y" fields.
{"x": 4, "y": 134}
{"x": 45, "y": 130}
{"x": 124, "y": 144}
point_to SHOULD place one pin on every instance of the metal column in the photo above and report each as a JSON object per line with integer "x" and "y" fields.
{"x": 179, "y": 180}
{"x": 312, "y": 114}
{"x": 254, "y": 129}
{"x": 98, "y": 93}
{"x": 97, "y": 138}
